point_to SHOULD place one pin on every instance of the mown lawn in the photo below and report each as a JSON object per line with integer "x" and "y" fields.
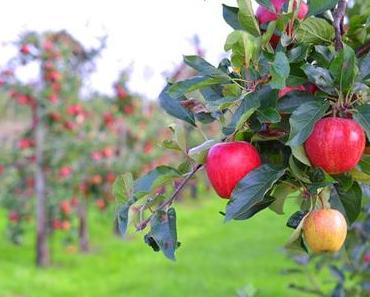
{"x": 215, "y": 260}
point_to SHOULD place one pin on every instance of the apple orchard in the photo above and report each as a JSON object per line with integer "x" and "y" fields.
{"x": 285, "y": 116}
{"x": 293, "y": 114}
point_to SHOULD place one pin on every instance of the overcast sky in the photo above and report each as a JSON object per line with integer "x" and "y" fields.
{"x": 151, "y": 36}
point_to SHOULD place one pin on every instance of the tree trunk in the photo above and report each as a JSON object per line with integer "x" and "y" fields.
{"x": 42, "y": 247}
{"x": 116, "y": 228}
{"x": 83, "y": 231}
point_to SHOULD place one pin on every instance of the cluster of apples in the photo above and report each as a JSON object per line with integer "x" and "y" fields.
{"x": 335, "y": 145}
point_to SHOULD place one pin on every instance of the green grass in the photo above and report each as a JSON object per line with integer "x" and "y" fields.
{"x": 215, "y": 260}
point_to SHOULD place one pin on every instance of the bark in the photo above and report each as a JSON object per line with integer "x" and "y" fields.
{"x": 83, "y": 230}
{"x": 42, "y": 246}
{"x": 339, "y": 14}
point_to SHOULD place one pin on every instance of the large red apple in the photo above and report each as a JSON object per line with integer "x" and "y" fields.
{"x": 325, "y": 230}
{"x": 335, "y": 145}
{"x": 227, "y": 163}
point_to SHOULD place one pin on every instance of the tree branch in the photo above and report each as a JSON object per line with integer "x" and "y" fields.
{"x": 339, "y": 14}
{"x": 173, "y": 197}
{"x": 363, "y": 50}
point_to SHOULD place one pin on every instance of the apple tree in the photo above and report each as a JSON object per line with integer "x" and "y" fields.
{"x": 291, "y": 104}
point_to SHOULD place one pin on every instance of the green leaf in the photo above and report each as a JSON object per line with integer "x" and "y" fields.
{"x": 203, "y": 67}
{"x": 297, "y": 233}
{"x": 365, "y": 67}
{"x": 154, "y": 179}
{"x": 230, "y": 15}
{"x": 171, "y": 145}
{"x": 248, "y": 105}
{"x": 244, "y": 46}
{"x": 251, "y": 190}
{"x": 349, "y": 203}
{"x": 281, "y": 192}
{"x": 364, "y": 164}
{"x": 267, "y": 4}
{"x": 296, "y": 218}
{"x": 315, "y": 31}
{"x": 123, "y": 187}
{"x": 269, "y": 115}
{"x": 266, "y": 202}
{"x": 180, "y": 137}
{"x": 297, "y": 172}
{"x": 183, "y": 87}
{"x": 122, "y": 217}
{"x": 199, "y": 153}
{"x": 279, "y": 71}
{"x": 292, "y": 100}
{"x": 360, "y": 176}
{"x": 320, "y": 77}
{"x": 303, "y": 120}
{"x": 300, "y": 154}
{"x": 174, "y": 108}
{"x": 162, "y": 235}
{"x": 344, "y": 68}
{"x": 362, "y": 116}
{"x": 246, "y": 17}
{"x": 319, "y": 6}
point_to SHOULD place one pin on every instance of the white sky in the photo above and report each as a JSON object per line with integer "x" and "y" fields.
{"x": 150, "y": 35}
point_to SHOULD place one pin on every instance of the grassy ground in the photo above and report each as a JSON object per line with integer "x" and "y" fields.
{"x": 215, "y": 260}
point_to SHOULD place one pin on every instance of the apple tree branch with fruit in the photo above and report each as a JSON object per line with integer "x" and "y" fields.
{"x": 292, "y": 109}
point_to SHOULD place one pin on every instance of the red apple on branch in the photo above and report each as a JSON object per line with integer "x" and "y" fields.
{"x": 227, "y": 163}
{"x": 336, "y": 145}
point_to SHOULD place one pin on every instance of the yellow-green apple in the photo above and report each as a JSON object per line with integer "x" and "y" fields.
{"x": 325, "y": 230}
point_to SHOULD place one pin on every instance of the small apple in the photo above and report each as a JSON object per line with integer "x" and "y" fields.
{"x": 96, "y": 179}
{"x": 65, "y": 171}
{"x": 25, "y": 49}
{"x": 100, "y": 203}
{"x": 13, "y": 217}
{"x": 325, "y": 230}
{"x": 227, "y": 163}
{"x": 65, "y": 207}
{"x": 336, "y": 145}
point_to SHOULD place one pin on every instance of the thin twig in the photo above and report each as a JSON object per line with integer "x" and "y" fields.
{"x": 173, "y": 197}
{"x": 363, "y": 50}
{"x": 339, "y": 14}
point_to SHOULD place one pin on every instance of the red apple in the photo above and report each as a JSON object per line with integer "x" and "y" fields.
{"x": 335, "y": 145}
{"x": 13, "y": 217}
{"x": 65, "y": 207}
{"x": 65, "y": 171}
{"x": 288, "y": 89}
{"x": 100, "y": 203}
{"x": 227, "y": 163}
{"x": 265, "y": 16}
{"x": 25, "y": 49}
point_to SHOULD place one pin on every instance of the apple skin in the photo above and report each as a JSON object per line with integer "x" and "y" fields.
{"x": 288, "y": 89}
{"x": 335, "y": 145}
{"x": 325, "y": 230}
{"x": 227, "y": 163}
{"x": 265, "y": 16}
